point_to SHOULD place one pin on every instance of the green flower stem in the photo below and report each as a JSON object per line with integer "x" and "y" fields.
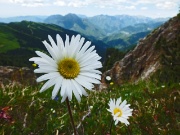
{"x": 111, "y": 126}
{"x": 70, "y": 113}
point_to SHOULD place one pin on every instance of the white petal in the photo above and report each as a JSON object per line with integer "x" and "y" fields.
{"x": 76, "y": 93}
{"x": 52, "y": 42}
{"x": 123, "y": 104}
{"x": 125, "y": 108}
{"x": 44, "y": 56}
{"x": 64, "y": 98}
{"x": 71, "y": 46}
{"x": 76, "y": 86}
{"x": 89, "y": 80}
{"x": 83, "y": 83}
{"x": 109, "y": 110}
{"x": 84, "y": 69}
{"x": 85, "y": 47}
{"x": 51, "y": 51}
{"x": 48, "y": 84}
{"x": 89, "y": 68}
{"x": 116, "y": 122}
{"x": 95, "y": 65}
{"x": 57, "y": 87}
{"x": 76, "y": 45}
{"x": 118, "y": 102}
{"x": 48, "y": 67}
{"x": 39, "y": 70}
{"x": 129, "y": 111}
{"x": 87, "y": 57}
{"x": 89, "y": 50}
{"x": 66, "y": 46}
{"x": 81, "y": 88}
{"x": 92, "y": 75}
{"x": 79, "y": 45}
{"x": 41, "y": 61}
{"x": 55, "y": 47}
{"x": 38, "y": 59}
{"x": 60, "y": 42}
{"x": 69, "y": 90}
{"x": 47, "y": 76}
{"x": 63, "y": 87}
{"x": 123, "y": 120}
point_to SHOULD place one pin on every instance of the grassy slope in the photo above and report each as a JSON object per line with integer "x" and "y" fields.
{"x": 155, "y": 111}
{"x": 21, "y": 39}
{"x": 27, "y": 35}
{"x": 7, "y": 39}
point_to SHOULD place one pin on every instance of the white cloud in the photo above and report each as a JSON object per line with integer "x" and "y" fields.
{"x": 78, "y": 3}
{"x": 59, "y": 3}
{"x": 124, "y": 4}
{"x": 130, "y": 7}
{"x": 4, "y": 1}
{"x": 160, "y": 4}
{"x": 144, "y": 8}
{"x": 70, "y": 3}
{"x": 30, "y": 3}
{"x": 91, "y": 7}
{"x": 166, "y": 5}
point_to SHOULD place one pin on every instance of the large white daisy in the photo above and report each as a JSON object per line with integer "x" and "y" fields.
{"x": 120, "y": 110}
{"x": 72, "y": 67}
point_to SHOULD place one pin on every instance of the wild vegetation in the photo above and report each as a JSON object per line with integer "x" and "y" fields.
{"x": 155, "y": 111}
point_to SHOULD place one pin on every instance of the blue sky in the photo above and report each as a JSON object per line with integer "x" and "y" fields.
{"x": 150, "y": 8}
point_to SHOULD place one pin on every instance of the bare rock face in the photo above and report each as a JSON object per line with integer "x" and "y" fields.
{"x": 19, "y": 76}
{"x": 144, "y": 60}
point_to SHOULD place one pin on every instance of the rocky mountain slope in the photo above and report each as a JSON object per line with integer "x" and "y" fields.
{"x": 157, "y": 55}
{"x": 16, "y": 76}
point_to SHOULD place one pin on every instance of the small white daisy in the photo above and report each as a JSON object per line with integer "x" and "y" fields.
{"x": 120, "y": 111}
{"x": 108, "y": 78}
{"x": 71, "y": 68}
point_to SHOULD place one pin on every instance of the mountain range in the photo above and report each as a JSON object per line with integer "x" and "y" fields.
{"x": 18, "y": 40}
{"x": 23, "y": 18}
{"x": 114, "y": 24}
{"x": 101, "y": 27}
{"x": 73, "y": 22}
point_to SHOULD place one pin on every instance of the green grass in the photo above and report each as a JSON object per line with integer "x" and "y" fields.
{"x": 7, "y": 42}
{"x": 155, "y": 111}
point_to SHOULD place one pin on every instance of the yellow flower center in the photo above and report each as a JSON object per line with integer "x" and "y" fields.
{"x": 69, "y": 68}
{"x": 117, "y": 110}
